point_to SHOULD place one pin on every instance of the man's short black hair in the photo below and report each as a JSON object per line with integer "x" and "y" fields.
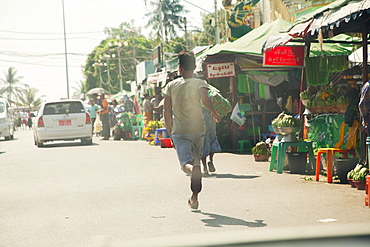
{"x": 187, "y": 60}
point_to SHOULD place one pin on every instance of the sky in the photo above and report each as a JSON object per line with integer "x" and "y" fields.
{"x": 32, "y": 36}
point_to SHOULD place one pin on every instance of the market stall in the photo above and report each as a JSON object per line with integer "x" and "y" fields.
{"x": 261, "y": 92}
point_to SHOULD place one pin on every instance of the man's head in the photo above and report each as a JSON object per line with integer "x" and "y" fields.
{"x": 186, "y": 62}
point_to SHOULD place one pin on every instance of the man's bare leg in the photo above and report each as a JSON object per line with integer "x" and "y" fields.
{"x": 195, "y": 183}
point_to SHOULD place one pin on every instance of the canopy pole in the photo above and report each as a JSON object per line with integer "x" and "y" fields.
{"x": 364, "y": 55}
{"x": 363, "y": 135}
{"x": 303, "y": 84}
{"x": 234, "y": 128}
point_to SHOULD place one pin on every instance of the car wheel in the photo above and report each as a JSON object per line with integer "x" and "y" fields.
{"x": 39, "y": 144}
{"x": 11, "y": 137}
{"x": 7, "y": 138}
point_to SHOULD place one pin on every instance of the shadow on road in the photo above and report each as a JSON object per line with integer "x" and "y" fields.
{"x": 228, "y": 175}
{"x": 65, "y": 144}
{"x": 217, "y": 220}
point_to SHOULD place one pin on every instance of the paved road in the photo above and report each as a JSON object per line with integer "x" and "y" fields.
{"x": 68, "y": 194}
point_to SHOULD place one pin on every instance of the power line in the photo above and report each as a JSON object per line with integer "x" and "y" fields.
{"x": 197, "y": 6}
{"x": 61, "y": 38}
{"x": 6, "y": 31}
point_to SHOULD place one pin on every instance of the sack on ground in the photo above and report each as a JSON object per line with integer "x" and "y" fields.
{"x": 236, "y": 115}
{"x": 221, "y": 105}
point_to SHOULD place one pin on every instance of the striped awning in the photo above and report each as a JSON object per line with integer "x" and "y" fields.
{"x": 342, "y": 16}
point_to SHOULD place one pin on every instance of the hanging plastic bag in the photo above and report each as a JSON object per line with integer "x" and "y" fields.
{"x": 236, "y": 115}
{"x": 98, "y": 126}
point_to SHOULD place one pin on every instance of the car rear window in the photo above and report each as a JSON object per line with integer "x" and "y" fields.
{"x": 63, "y": 108}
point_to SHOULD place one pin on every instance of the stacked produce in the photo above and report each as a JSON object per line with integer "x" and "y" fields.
{"x": 286, "y": 120}
{"x": 358, "y": 173}
{"x": 261, "y": 148}
{"x": 328, "y": 99}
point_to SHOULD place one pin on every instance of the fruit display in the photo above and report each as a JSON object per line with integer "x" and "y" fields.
{"x": 358, "y": 173}
{"x": 286, "y": 120}
{"x": 261, "y": 148}
{"x": 328, "y": 99}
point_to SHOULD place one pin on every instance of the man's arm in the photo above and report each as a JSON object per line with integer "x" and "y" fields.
{"x": 208, "y": 104}
{"x": 167, "y": 114}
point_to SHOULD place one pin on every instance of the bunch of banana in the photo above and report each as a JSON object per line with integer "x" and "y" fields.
{"x": 343, "y": 100}
{"x": 286, "y": 121}
{"x": 277, "y": 120}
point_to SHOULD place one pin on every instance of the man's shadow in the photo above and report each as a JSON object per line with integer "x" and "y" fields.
{"x": 217, "y": 220}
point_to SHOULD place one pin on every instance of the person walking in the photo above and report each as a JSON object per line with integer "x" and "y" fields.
{"x": 185, "y": 125}
{"x": 147, "y": 108}
{"x": 92, "y": 109}
{"x": 211, "y": 144}
{"x": 157, "y": 109}
{"x": 104, "y": 117}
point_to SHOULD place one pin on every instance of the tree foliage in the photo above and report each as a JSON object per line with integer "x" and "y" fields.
{"x": 172, "y": 18}
{"x": 11, "y": 88}
{"x": 29, "y": 97}
{"x": 17, "y": 93}
{"x": 116, "y": 57}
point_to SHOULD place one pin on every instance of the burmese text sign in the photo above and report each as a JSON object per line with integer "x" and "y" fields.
{"x": 284, "y": 56}
{"x": 220, "y": 70}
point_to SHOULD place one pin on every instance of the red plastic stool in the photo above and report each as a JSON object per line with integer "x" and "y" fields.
{"x": 367, "y": 191}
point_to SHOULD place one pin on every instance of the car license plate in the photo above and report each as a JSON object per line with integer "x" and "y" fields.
{"x": 64, "y": 122}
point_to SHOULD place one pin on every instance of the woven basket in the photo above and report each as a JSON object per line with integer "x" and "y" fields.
{"x": 342, "y": 108}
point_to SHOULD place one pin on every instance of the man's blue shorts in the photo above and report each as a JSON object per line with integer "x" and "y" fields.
{"x": 189, "y": 147}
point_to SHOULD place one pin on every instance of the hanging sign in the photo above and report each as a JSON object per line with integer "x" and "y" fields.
{"x": 220, "y": 70}
{"x": 284, "y": 56}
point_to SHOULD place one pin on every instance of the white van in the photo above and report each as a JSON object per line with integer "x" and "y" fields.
{"x": 6, "y": 120}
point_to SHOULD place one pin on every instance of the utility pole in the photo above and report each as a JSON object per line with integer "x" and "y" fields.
{"x": 162, "y": 32}
{"x": 217, "y": 30}
{"x": 133, "y": 47}
{"x": 186, "y": 34}
{"x": 65, "y": 49}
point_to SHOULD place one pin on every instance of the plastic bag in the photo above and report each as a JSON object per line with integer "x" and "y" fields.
{"x": 221, "y": 105}
{"x": 98, "y": 126}
{"x": 236, "y": 115}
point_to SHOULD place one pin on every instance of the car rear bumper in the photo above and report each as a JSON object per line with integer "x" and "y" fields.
{"x": 43, "y": 135}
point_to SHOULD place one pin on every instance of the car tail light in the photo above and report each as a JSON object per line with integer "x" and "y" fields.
{"x": 40, "y": 122}
{"x": 88, "y": 119}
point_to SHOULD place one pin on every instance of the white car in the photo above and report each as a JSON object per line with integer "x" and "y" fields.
{"x": 6, "y": 120}
{"x": 63, "y": 120}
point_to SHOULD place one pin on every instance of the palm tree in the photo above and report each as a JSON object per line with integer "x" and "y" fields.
{"x": 12, "y": 89}
{"x": 29, "y": 98}
{"x": 80, "y": 90}
{"x": 171, "y": 19}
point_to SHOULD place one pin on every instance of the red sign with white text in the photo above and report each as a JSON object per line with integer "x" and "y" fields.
{"x": 220, "y": 70}
{"x": 284, "y": 56}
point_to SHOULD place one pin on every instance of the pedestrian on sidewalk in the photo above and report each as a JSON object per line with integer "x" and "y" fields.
{"x": 184, "y": 97}
{"x": 104, "y": 117}
{"x": 211, "y": 144}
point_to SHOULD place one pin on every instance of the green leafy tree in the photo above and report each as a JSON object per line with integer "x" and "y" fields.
{"x": 29, "y": 97}
{"x": 116, "y": 57}
{"x": 171, "y": 17}
{"x": 12, "y": 88}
